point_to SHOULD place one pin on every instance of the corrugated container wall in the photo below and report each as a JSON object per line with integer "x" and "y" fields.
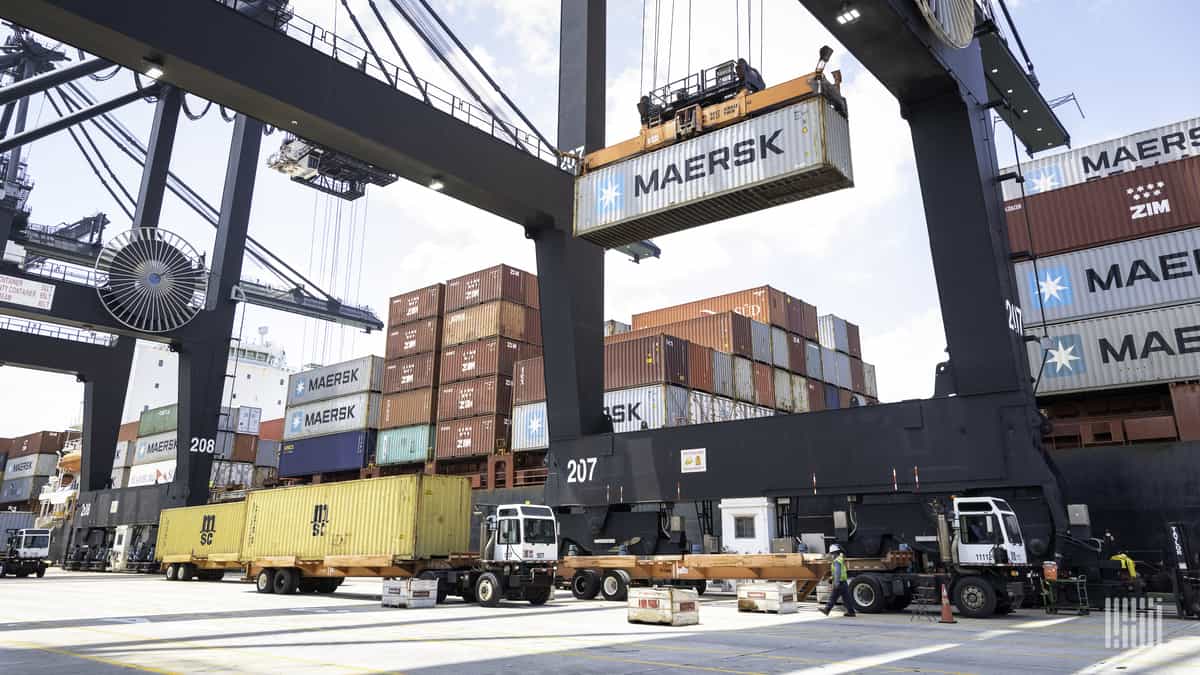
{"x": 355, "y": 412}
{"x": 472, "y": 437}
{"x": 405, "y": 445}
{"x": 1119, "y": 155}
{"x": 414, "y": 338}
{"x": 422, "y": 303}
{"x": 180, "y": 530}
{"x": 844, "y": 378}
{"x": 493, "y": 356}
{"x": 159, "y": 420}
{"x": 501, "y": 318}
{"x": 702, "y": 408}
{"x": 779, "y": 348}
{"x": 652, "y": 407}
{"x": 832, "y": 400}
{"x": 614, "y": 327}
{"x": 14, "y": 520}
{"x": 829, "y": 367}
{"x": 764, "y": 385}
{"x": 472, "y": 398}
{"x": 128, "y": 431}
{"x": 870, "y": 385}
{"x": 408, "y": 408}
{"x": 854, "y": 339}
{"x": 412, "y": 372}
{"x": 232, "y": 474}
{"x": 340, "y": 379}
{"x": 24, "y": 466}
{"x": 1185, "y": 400}
{"x": 834, "y": 333}
{"x": 268, "y": 453}
{"x": 22, "y": 489}
{"x": 154, "y": 473}
{"x": 37, "y": 443}
{"x": 1148, "y": 201}
{"x": 813, "y": 359}
{"x": 1159, "y": 345}
{"x": 1132, "y": 275}
{"x": 124, "y": 453}
{"x": 800, "y": 394}
{"x": 529, "y": 380}
{"x": 784, "y": 398}
{"x": 529, "y": 428}
{"x": 802, "y": 319}
{"x": 760, "y": 337}
{"x": 700, "y": 367}
{"x": 156, "y": 448}
{"x": 647, "y": 360}
{"x": 857, "y": 376}
{"x": 795, "y": 350}
{"x": 722, "y": 369}
{"x": 764, "y": 304}
{"x": 500, "y": 282}
{"x": 726, "y": 332}
{"x": 810, "y": 155}
{"x": 743, "y": 379}
{"x": 323, "y": 454}
{"x": 412, "y": 517}
{"x": 816, "y": 396}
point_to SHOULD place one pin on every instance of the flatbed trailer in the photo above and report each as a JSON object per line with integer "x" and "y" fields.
{"x": 611, "y": 575}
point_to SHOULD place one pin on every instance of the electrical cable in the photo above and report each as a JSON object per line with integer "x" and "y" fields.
{"x": 104, "y": 78}
{"x": 228, "y": 118}
{"x": 187, "y": 111}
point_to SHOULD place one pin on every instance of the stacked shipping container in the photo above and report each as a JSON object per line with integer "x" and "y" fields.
{"x": 29, "y": 464}
{"x": 331, "y": 419}
{"x": 411, "y": 377}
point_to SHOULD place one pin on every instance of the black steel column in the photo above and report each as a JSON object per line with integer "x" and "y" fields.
{"x": 104, "y": 388}
{"x": 204, "y": 355}
{"x": 158, "y": 158}
{"x": 571, "y": 271}
{"x": 14, "y": 157}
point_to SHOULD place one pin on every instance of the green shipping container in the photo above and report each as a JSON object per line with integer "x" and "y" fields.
{"x": 159, "y": 420}
{"x": 404, "y": 445}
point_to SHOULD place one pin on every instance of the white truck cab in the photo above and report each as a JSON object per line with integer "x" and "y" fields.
{"x": 522, "y": 533}
{"x": 25, "y": 553}
{"x": 987, "y": 533}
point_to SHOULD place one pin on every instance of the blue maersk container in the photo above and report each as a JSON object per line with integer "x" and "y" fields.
{"x": 324, "y": 454}
{"x": 405, "y": 445}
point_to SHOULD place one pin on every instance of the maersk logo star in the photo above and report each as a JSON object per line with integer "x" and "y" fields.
{"x": 297, "y": 421}
{"x": 535, "y": 425}
{"x": 300, "y": 388}
{"x": 608, "y": 198}
{"x": 1053, "y": 287}
{"x": 1048, "y": 178}
{"x": 1065, "y": 357}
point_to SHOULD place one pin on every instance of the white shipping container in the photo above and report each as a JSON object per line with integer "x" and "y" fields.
{"x": 341, "y": 379}
{"x": 869, "y": 381}
{"x": 800, "y": 394}
{"x": 779, "y": 347}
{"x": 156, "y": 448}
{"x": 151, "y": 474}
{"x": 760, "y": 341}
{"x": 1159, "y": 345}
{"x": 120, "y": 477}
{"x": 30, "y": 465}
{"x": 652, "y": 407}
{"x": 844, "y": 379}
{"x": 356, "y": 412}
{"x": 124, "y": 454}
{"x": 784, "y": 398}
{"x": 1129, "y": 275}
{"x": 530, "y": 430}
{"x": 833, "y": 333}
{"x": 702, "y": 408}
{"x": 248, "y": 420}
{"x": 723, "y": 408}
{"x": 231, "y": 474}
{"x": 1144, "y": 148}
{"x": 743, "y": 379}
{"x": 788, "y": 154}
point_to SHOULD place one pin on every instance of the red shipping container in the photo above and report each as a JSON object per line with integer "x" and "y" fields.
{"x": 129, "y": 431}
{"x": 858, "y": 383}
{"x": 40, "y": 443}
{"x": 245, "y": 447}
{"x": 816, "y": 395}
{"x": 1185, "y": 399}
{"x": 500, "y": 282}
{"x": 529, "y": 381}
{"x": 501, "y": 318}
{"x": 472, "y": 437}
{"x": 414, "y": 338}
{"x": 423, "y": 303}
{"x": 653, "y": 359}
{"x": 843, "y": 398}
{"x": 270, "y": 430}
{"x": 854, "y": 338}
{"x": 1150, "y": 200}
{"x": 532, "y": 292}
{"x": 796, "y": 354}
{"x": 472, "y": 398}
{"x": 408, "y": 408}
{"x": 725, "y": 332}
{"x": 764, "y": 385}
{"x": 491, "y": 356}
{"x": 802, "y": 318}
{"x": 700, "y": 367}
{"x": 411, "y": 372}
{"x": 763, "y": 304}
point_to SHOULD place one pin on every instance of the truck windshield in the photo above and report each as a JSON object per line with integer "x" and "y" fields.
{"x": 37, "y": 541}
{"x": 1014, "y": 530}
{"x": 539, "y": 531}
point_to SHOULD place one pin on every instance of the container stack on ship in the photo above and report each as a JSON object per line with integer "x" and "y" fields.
{"x": 410, "y": 379}
{"x": 1106, "y": 250}
{"x": 31, "y": 461}
{"x": 236, "y": 448}
{"x": 491, "y": 320}
{"x": 331, "y": 421}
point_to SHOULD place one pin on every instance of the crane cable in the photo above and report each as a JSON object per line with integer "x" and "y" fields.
{"x": 90, "y": 163}
{"x": 670, "y": 42}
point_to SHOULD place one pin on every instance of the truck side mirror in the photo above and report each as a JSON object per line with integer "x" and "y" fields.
{"x": 491, "y": 523}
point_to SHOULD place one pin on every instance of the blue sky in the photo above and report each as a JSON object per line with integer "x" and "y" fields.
{"x": 861, "y": 253}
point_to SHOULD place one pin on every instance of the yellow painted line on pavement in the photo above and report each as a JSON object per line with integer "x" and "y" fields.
{"x": 88, "y": 657}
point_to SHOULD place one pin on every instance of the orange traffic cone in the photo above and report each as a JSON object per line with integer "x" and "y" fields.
{"x": 947, "y": 613}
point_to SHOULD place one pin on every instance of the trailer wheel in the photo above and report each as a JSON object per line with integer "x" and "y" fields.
{"x": 327, "y": 585}
{"x": 974, "y": 597}
{"x": 488, "y": 590}
{"x": 442, "y": 589}
{"x": 287, "y": 580}
{"x": 41, "y": 570}
{"x": 867, "y": 594}
{"x": 585, "y": 585}
{"x": 615, "y": 585}
{"x": 265, "y": 582}
{"x": 172, "y": 572}
{"x": 539, "y": 596}
{"x": 187, "y": 572}
{"x": 700, "y": 586}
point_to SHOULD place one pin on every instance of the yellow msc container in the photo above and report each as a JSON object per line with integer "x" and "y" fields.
{"x": 411, "y": 517}
{"x": 211, "y": 533}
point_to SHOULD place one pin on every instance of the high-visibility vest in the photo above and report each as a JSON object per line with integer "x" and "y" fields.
{"x": 1127, "y": 564}
{"x": 840, "y": 571}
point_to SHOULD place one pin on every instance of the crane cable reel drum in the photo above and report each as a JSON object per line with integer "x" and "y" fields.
{"x": 151, "y": 280}
{"x": 953, "y": 21}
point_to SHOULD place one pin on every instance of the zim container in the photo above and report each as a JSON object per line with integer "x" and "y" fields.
{"x": 491, "y": 356}
{"x": 763, "y": 304}
{"x": 338, "y": 380}
{"x": 405, "y": 445}
{"x": 408, "y": 408}
{"x": 347, "y": 413}
{"x": 472, "y": 437}
{"x": 785, "y": 155}
{"x": 411, "y": 372}
{"x": 646, "y": 360}
{"x": 414, "y": 338}
{"x": 530, "y": 430}
{"x": 529, "y": 380}
{"x": 472, "y": 398}
{"x": 500, "y": 318}
{"x": 325, "y": 454}
{"x": 410, "y": 517}
{"x": 500, "y": 282}
{"x": 212, "y": 532}
{"x": 422, "y": 303}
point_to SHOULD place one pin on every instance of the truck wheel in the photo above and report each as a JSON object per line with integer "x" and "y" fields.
{"x": 585, "y": 585}
{"x": 442, "y": 589}
{"x": 867, "y": 594}
{"x": 488, "y": 590}
{"x": 974, "y": 597}
{"x": 308, "y": 586}
{"x": 539, "y": 596}
{"x": 327, "y": 585}
{"x": 287, "y": 580}
{"x": 615, "y": 585}
{"x": 700, "y": 586}
{"x": 265, "y": 582}
{"x": 187, "y": 572}
{"x": 172, "y": 572}
{"x": 897, "y": 603}
{"x": 41, "y": 570}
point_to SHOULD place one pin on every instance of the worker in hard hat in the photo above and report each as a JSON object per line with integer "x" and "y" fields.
{"x": 841, "y": 584}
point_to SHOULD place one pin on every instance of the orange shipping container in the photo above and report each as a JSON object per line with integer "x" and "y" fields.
{"x": 855, "y": 340}
{"x": 472, "y": 437}
{"x": 245, "y": 447}
{"x": 654, "y": 359}
{"x": 764, "y": 304}
{"x": 816, "y": 395}
{"x": 500, "y": 282}
{"x": 414, "y": 338}
{"x": 472, "y": 398}
{"x": 40, "y": 443}
{"x": 271, "y": 430}
{"x": 412, "y": 372}
{"x": 491, "y": 356}
{"x": 501, "y": 318}
{"x": 764, "y": 385}
{"x": 725, "y": 332}
{"x": 700, "y": 367}
{"x": 423, "y": 303}
{"x": 408, "y": 408}
{"x": 129, "y": 431}
{"x": 529, "y": 381}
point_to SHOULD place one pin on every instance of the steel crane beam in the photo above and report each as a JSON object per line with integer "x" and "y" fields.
{"x": 53, "y": 78}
